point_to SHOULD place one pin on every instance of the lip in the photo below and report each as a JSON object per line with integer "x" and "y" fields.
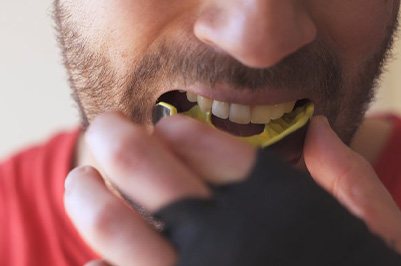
{"x": 244, "y": 96}
{"x": 290, "y": 149}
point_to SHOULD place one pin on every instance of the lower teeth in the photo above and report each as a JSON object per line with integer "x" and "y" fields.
{"x": 273, "y": 132}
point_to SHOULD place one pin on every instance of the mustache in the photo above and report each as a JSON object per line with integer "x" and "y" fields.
{"x": 314, "y": 67}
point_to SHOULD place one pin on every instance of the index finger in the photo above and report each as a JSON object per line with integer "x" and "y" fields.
{"x": 216, "y": 156}
{"x": 140, "y": 165}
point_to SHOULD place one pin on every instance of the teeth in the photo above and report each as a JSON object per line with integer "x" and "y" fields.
{"x": 261, "y": 114}
{"x": 192, "y": 97}
{"x": 221, "y": 109}
{"x": 205, "y": 104}
{"x": 288, "y": 107}
{"x": 240, "y": 114}
{"x": 276, "y": 111}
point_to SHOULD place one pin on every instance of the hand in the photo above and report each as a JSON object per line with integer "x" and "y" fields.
{"x": 351, "y": 179}
{"x": 120, "y": 235}
{"x": 153, "y": 170}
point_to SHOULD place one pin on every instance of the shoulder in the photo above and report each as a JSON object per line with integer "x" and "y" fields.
{"x": 43, "y": 155}
{"x": 31, "y": 189}
{"x": 380, "y": 139}
{"x": 30, "y": 172}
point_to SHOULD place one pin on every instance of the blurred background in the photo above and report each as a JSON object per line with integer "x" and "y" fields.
{"x": 34, "y": 94}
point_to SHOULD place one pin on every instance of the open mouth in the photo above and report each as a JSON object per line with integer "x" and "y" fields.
{"x": 259, "y": 125}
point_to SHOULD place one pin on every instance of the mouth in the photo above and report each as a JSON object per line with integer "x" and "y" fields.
{"x": 259, "y": 125}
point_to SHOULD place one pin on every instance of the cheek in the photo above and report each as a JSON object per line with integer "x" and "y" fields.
{"x": 123, "y": 29}
{"x": 356, "y": 29}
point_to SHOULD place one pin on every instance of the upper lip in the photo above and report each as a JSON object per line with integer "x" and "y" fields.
{"x": 225, "y": 93}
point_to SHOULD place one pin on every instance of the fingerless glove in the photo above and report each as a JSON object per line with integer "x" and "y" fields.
{"x": 277, "y": 217}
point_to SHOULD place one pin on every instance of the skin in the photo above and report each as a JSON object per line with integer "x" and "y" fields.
{"x": 122, "y": 237}
{"x": 330, "y": 53}
{"x": 293, "y": 44}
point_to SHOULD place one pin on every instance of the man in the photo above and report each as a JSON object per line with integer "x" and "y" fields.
{"x": 244, "y": 62}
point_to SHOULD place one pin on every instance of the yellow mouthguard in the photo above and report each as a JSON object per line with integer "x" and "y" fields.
{"x": 273, "y": 132}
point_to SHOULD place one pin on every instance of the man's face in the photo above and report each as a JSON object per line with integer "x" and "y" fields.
{"x": 123, "y": 55}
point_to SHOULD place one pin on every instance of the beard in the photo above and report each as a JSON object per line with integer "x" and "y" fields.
{"x": 315, "y": 70}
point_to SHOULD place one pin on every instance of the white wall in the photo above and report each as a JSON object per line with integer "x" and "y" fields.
{"x": 34, "y": 95}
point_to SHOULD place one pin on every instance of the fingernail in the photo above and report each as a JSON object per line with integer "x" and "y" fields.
{"x": 69, "y": 181}
{"x": 320, "y": 122}
{"x": 319, "y": 138}
{"x": 320, "y": 127}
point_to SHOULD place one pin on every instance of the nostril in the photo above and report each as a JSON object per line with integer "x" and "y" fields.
{"x": 211, "y": 22}
{"x": 204, "y": 34}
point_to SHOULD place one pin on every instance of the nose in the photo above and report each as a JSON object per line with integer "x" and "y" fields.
{"x": 258, "y": 33}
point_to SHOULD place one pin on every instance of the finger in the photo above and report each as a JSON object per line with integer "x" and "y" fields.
{"x": 351, "y": 179}
{"x": 140, "y": 165}
{"x": 97, "y": 263}
{"x": 213, "y": 154}
{"x": 109, "y": 226}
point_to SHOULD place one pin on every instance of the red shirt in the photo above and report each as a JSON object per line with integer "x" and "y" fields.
{"x": 388, "y": 166}
{"x": 34, "y": 229}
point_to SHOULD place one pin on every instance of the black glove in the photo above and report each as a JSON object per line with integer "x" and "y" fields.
{"x": 278, "y": 216}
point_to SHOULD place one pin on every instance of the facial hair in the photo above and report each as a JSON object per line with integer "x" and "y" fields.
{"x": 315, "y": 70}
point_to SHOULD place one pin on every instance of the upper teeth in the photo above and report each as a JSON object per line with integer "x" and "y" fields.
{"x": 241, "y": 114}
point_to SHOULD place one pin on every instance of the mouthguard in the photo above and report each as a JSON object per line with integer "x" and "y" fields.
{"x": 273, "y": 132}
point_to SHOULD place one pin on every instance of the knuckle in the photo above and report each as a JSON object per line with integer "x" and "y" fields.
{"x": 352, "y": 174}
{"x": 356, "y": 186}
{"x": 121, "y": 154}
{"x": 104, "y": 221}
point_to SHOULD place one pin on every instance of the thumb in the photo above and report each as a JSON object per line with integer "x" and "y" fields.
{"x": 351, "y": 179}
